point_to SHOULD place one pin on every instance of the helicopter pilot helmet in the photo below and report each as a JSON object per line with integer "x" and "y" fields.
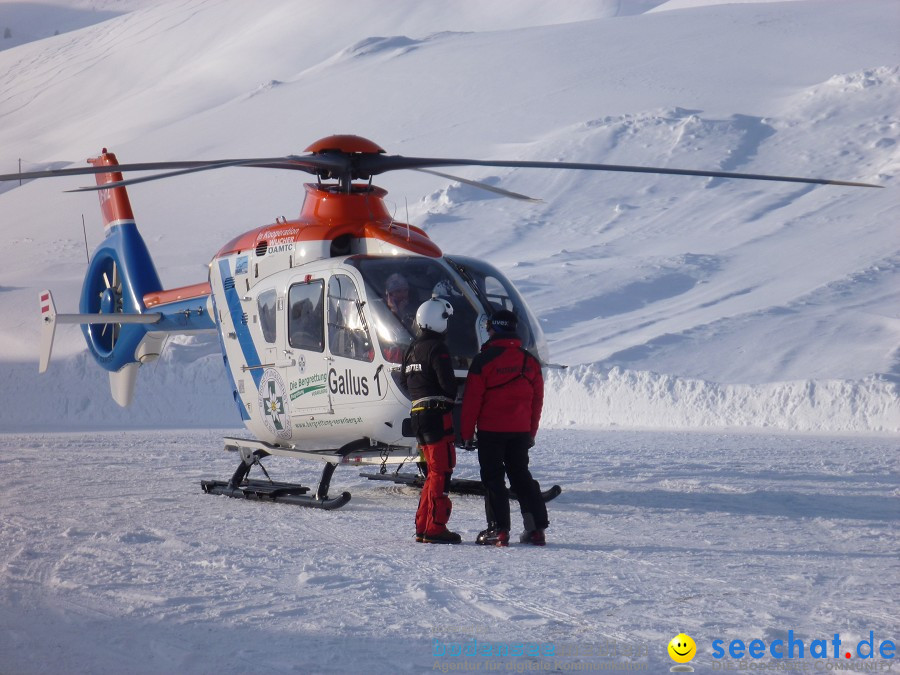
{"x": 433, "y": 314}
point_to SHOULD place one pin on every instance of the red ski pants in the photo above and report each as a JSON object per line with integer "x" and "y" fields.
{"x": 434, "y": 503}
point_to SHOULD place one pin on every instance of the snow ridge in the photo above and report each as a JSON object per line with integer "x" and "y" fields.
{"x": 188, "y": 388}
{"x": 594, "y": 396}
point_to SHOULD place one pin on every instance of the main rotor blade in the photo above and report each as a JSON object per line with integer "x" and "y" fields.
{"x": 349, "y": 166}
{"x": 375, "y": 164}
{"x": 482, "y": 186}
{"x": 158, "y": 176}
{"x": 86, "y": 170}
{"x": 309, "y": 163}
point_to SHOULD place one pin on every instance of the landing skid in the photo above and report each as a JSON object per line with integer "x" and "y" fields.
{"x": 463, "y": 486}
{"x": 271, "y": 491}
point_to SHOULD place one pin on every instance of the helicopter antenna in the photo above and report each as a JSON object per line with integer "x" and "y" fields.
{"x": 84, "y": 231}
{"x": 393, "y": 213}
{"x": 406, "y": 201}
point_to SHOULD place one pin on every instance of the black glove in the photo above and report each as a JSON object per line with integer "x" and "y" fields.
{"x": 531, "y": 442}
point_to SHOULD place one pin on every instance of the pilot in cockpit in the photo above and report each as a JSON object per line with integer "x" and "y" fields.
{"x": 397, "y": 297}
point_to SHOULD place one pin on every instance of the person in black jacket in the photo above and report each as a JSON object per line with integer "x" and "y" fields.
{"x": 428, "y": 375}
{"x": 504, "y": 399}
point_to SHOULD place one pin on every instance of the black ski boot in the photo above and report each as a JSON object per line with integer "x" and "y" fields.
{"x": 493, "y": 536}
{"x": 445, "y": 537}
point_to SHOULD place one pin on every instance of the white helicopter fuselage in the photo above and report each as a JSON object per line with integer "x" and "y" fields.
{"x": 310, "y": 344}
{"x": 305, "y": 390}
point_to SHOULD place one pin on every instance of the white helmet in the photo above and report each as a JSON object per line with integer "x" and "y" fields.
{"x": 433, "y": 314}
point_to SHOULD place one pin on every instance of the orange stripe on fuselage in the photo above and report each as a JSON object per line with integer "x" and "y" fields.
{"x": 174, "y": 294}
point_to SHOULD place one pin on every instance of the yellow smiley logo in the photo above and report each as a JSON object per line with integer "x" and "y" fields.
{"x": 682, "y": 648}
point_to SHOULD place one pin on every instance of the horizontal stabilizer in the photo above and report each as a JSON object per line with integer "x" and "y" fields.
{"x": 50, "y": 319}
{"x": 150, "y": 317}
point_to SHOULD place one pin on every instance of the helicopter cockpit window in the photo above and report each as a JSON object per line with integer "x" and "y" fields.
{"x": 496, "y": 291}
{"x": 306, "y": 316}
{"x": 348, "y": 334}
{"x": 265, "y": 304}
{"x": 396, "y": 286}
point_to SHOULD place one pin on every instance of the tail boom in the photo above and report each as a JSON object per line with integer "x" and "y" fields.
{"x": 124, "y": 312}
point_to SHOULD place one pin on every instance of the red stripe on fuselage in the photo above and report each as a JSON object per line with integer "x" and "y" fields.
{"x": 114, "y": 204}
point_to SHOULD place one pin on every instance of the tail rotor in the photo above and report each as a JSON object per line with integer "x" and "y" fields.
{"x": 110, "y": 302}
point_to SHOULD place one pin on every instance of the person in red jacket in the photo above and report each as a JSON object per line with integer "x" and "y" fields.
{"x": 504, "y": 396}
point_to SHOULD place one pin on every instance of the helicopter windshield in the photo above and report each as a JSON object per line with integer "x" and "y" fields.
{"x": 496, "y": 292}
{"x": 396, "y": 286}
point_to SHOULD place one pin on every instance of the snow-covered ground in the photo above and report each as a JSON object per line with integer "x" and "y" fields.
{"x": 753, "y": 311}
{"x": 114, "y": 561}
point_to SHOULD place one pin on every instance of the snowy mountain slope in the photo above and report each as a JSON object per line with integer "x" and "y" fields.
{"x": 717, "y": 282}
{"x": 22, "y": 22}
{"x": 680, "y": 303}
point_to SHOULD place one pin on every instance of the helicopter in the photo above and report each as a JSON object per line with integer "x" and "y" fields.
{"x": 309, "y": 312}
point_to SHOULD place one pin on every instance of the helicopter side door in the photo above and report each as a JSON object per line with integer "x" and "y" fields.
{"x": 266, "y": 304}
{"x": 354, "y": 379}
{"x": 304, "y": 367}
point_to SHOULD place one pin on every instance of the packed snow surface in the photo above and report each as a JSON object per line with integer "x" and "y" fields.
{"x": 765, "y": 314}
{"x": 114, "y": 561}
